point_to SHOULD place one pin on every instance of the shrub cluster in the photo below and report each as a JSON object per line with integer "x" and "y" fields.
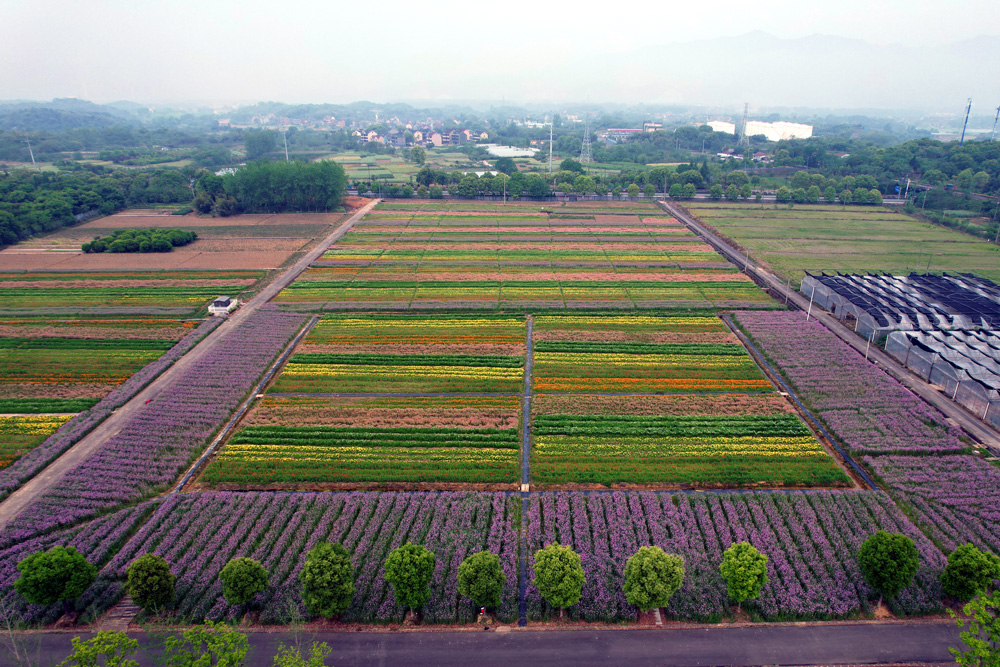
{"x": 141, "y": 240}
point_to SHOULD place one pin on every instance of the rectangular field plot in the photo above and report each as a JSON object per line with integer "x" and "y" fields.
{"x": 408, "y": 354}
{"x": 171, "y": 293}
{"x": 675, "y": 441}
{"x": 468, "y": 255}
{"x": 847, "y": 240}
{"x": 345, "y": 442}
{"x": 643, "y": 354}
{"x": 51, "y": 369}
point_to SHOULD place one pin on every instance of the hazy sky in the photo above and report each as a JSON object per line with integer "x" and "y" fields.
{"x": 219, "y": 51}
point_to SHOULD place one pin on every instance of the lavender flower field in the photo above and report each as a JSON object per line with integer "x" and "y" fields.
{"x": 954, "y": 499}
{"x": 28, "y": 465}
{"x": 166, "y": 435}
{"x": 97, "y": 540}
{"x": 863, "y": 406}
{"x": 199, "y": 533}
{"x": 811, "y": 540}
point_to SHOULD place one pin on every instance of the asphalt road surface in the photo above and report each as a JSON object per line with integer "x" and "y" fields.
{"x": 834, "y": 644}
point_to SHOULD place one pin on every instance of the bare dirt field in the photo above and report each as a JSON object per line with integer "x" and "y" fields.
{"x": 239, "y": 242}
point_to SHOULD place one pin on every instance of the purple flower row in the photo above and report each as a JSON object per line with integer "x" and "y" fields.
{"x": 811, "y": 540}
{"x": 165, "y": 435}
{"x": 97, "y": 540}
{"x": 869, "y": 411}
{"x": 199, "y": 533}
{"x": 69, "y": 433}
{"x": 955, "y": 499}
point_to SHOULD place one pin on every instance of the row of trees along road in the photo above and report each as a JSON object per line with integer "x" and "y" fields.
{"x": 887, "y": 561}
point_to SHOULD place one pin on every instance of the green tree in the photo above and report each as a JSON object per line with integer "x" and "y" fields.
{"x": 291, "y": 656}
{"x": 690, "y": 190}
{"x": 150, "y": 582}
{"x": 745, "y": 191}
{"x": 846, "y": 197}
{"x": 800, "y": 179}
{"x": 745, "y": 571}
{"x": 571, "y": 165}
{"x": 934, "y": 176}
{"x": 436, "y": 192}
{"x": 652, "y": 576}
{"x": 327, "y": 580}
{"x": 715, "y": 192}
{"x": 798, "y": 195}
{"x": 559, "y": 576}
{"x": 259, "y": 143}
{"x": 830, "y": 194}
{"x": 732, "y": 193}
{"x": 584, "y": 184}
{"x": 982, "y": 639}
{"x": 481, "y": 579}
{"x": 209, "y": 645}
{"x": 888, "y": 562}
{"x": 107, "y": 649}
{"x": 60, "y": 574}
{"x": 505, "y": 165}
{"x": 632, "y": 190}
{"x": 676, "y": 191}
{"x": 242, "y": 579}
{"x": 409, "y": 570}
{"x": 969, "y": 572}
{"x": 861, "y": 195}
{"x": 649, "y": 190}
{"x": 783, "y": 194}
{"x": 468, "y": 187}
{"x": 813, "y": 194}
{"x": 738, "y": 178}
{"x": 418, "y": 155}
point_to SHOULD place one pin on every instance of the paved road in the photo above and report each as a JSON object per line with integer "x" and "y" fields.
{"x": 972, "y": 425}
{"x": 15, "y": 503}
{"x": 688, "y": 647}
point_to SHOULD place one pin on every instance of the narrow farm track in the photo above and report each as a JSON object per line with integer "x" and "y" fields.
{"x": 964, "y": 419}
{"x": 16, "y": 502}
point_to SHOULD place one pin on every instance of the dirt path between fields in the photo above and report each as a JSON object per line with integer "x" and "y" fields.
{"x": 16, "y": 502}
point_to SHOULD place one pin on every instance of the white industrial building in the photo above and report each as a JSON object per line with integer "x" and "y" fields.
{"x": 779, "y": 130}
{"x": 722, "y": 126}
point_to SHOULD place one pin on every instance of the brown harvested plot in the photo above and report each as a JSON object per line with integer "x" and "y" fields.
{"x": 224, "y": 243}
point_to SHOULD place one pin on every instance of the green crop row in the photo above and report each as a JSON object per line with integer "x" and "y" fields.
{"x": 485, "y": 361}
{"x": 719, "y": 349}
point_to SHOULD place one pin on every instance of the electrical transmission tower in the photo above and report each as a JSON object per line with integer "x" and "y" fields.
{"x": 744, "y": 137}
{"x": 585, "y": 156}
{"x": 968, "y": 109}
{"x": 994, "y": 132}
{"x": 551, "y": 123}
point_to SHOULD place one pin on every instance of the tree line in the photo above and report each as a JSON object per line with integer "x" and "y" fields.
{"x": 273, "y": 187}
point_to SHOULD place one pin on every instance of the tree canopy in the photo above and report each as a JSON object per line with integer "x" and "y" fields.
{"x": 888, "y": 562}
{"x": 481, "y": 579}
{"x": 60, "y": 574}
{"x": 327, "y": 580}
{"x": 409, "y": 570}
{"x": 652, "y": 577}
{"x": 559, "y": 575}
{"x": 745, "y": 571}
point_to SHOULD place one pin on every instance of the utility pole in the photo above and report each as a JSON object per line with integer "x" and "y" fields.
{"x": 551, "y": 123}
{"x": 285, "y": 139}
{"x": 968, "y": 110}
{"x": 995, "y": 119}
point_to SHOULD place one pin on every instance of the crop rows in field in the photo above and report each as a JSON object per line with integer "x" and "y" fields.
{"x": 66, "y": 366}
{"x": 811, "y": 541}
{"x": 408, "y": 354}
{"x": 519, "y": 259}
{"x": 292, "y": 442}
{"x": 701, "y": 416}
{"x": 847, "y": 240}
{"x": 133, "y": 292}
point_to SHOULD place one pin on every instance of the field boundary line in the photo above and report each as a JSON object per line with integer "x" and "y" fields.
{"x": 974, "y": 427}
{"x": 522, "y": 584}
{"x": 813, "y": 420}
{"x": 242, "y": 410}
